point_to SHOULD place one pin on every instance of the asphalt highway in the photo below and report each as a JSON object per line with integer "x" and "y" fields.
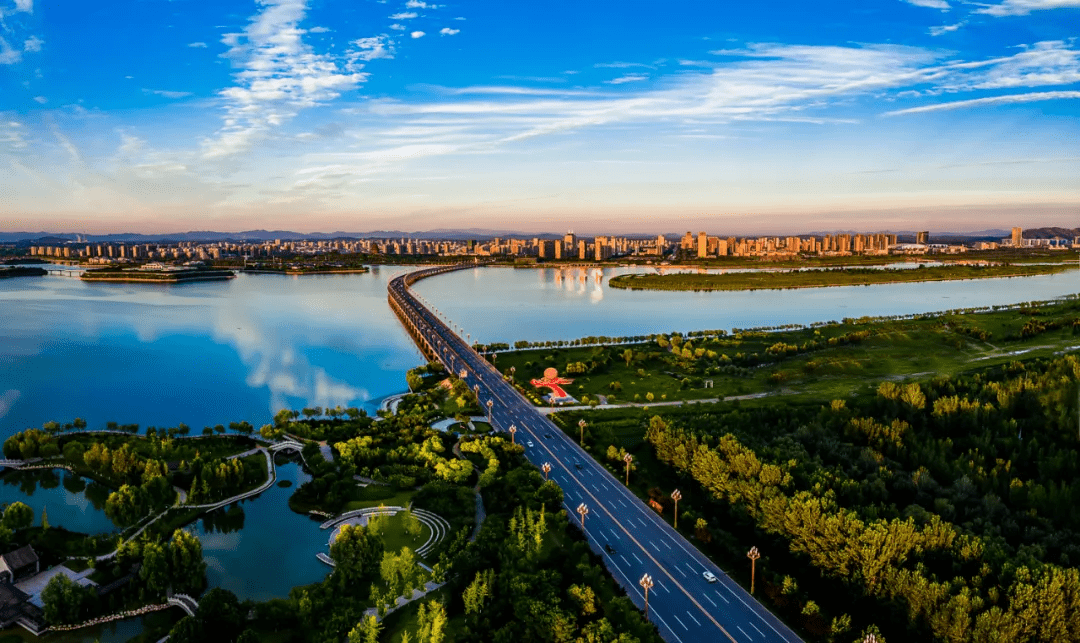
{"x": 682, "y": 603}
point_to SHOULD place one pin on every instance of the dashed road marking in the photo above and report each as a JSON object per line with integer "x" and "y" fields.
{"x": 692, "y": 618}
{"x": 721, "y": 597}
{"x": 681, "y": 623}
{"x": 706, "y": 597}
{"x": 756, "y": 628}
{"x": 743, "y": 632}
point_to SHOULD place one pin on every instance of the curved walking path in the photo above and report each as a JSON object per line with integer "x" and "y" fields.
{"x": 481, "y": 514}
{"x": 271, "y": 478}
{"x": 438, "y": 527}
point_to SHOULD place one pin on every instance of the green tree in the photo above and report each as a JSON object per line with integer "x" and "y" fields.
{"x": 366, "y": 631}
{"x": 186, "y": 566}
{"x": 65, "y": 601}
{"x": 412, "y": 525}
{"x": 18, "y": 516}
{"x": 357, "y": 552}
{"x": 432, "y": 622}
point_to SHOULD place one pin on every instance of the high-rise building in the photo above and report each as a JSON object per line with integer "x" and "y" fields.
{"x": 558, "y": 249}
{"x": 570, "y": 241}
{"x": 1017, "y": 237}
{"x": 687, "y": 242}
{"x": 582, "y": 250}
{"x": 922, "y": 237}
{"x": 702, "y": 245}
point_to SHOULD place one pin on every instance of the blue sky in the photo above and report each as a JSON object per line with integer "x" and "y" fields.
{"x": 322, "y": 115}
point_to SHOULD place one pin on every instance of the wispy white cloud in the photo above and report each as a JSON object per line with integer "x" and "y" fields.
{"x": 991, "y": 100}
{"x": 417, "y": 34}
{"x": 629, "y": 78}
{"x": 8, "y": 55}
{"x": 447, "y": 31}
{"x": 621, "y": 65}
{"x": 374, "y": 47}
{"x": 33, "y": 44}
{"x": 404, "y": 15}
{"x": 1024, "y": 7}
{"x": 24, "y": 5}
{"x": 397, "y": 27}
{"x": 197, "y": 45}
{"x": 12, "y": 133}
{"x": 166, "y": 93}
{"x": 41, "y": 100}
{"x": 1044, "y": 63}
{"x": 944, "y": 29}
{"x": 419, "y": 4}
{"x": 319, "y": 30}
{"x": 930, "y": 4}
{"x": 278, "y": 75}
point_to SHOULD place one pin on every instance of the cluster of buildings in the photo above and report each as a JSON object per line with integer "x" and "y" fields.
{"x": 569, "y": 247}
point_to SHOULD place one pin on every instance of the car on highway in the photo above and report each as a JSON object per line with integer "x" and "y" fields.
{"x": 608, "y": 548}
{"x": 577, "y": 465}
{"x": 529, "y": 444}
{"x": 547, "y": 435}
{"x": 709, "y": 576}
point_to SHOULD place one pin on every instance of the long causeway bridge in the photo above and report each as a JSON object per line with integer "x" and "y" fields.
{"x": 630, "y": 537}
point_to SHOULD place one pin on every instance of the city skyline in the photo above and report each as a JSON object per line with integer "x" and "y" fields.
{"x": 284, "y": 114}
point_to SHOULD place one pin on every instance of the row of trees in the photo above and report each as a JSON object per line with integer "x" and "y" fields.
{"x": 944, "y": 497}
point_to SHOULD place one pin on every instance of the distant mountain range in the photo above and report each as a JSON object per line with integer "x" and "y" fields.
{"x": 54, "y": 238}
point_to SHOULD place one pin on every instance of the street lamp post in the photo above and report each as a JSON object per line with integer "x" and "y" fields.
{"x": 512, "y": 430}
{"x": 753, "y": 555}
{"x": 646, "y": 582}
{"x": 583, "y": 511}
{"x": 489, "y": 405}
{"x": 676, "y": 496}
{"x": 546, "y": 468}
{"x": 628, "y": 459}
{"x": 581, "y": 425}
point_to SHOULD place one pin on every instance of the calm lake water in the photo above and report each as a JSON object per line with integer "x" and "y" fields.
{"x": 72, "y": 502}
{"x": 200, "y": 353}
{"x": 261, "y": 549}
{"x": 508, "y": 304}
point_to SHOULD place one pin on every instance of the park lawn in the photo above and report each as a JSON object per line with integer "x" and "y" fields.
{"x": 397, "y": 499}
{"x": 395, "y": 538}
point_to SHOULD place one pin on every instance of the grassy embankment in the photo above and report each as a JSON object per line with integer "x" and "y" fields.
{"x": 829, "y": 360}
{"x": 821, "y": 278}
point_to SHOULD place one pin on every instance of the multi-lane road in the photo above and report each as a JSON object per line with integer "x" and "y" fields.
{"x": 632, "y": 538}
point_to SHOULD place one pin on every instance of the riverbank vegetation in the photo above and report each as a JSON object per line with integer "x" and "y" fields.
{"x": 937, "y": 509}
{"x": 832, "y": 277}
{"x": 826, "y": 359}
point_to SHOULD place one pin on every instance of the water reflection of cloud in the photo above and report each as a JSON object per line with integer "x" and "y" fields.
{"x": 276, "y": 364}
{"x": 7, "y": 400}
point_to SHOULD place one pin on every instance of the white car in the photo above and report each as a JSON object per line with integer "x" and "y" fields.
{"x": 529, "y": 444}
{"x": 709, "y": 577}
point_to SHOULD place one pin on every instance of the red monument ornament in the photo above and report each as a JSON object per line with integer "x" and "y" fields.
{"x": 552, "y": 381}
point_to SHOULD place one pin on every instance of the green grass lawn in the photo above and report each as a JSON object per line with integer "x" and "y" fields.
{"x": 398, "y": 499}
{"x": 824, "y": 361}
{"x": 405, "y": 619}
{"x": 394, "y": 536}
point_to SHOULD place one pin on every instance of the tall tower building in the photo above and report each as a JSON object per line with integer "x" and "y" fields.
{"x": 922, "y": 237}
{"x": 702, "y": 245}
{"x": 569, "y": 240}
{"x": 1017, "y": 237}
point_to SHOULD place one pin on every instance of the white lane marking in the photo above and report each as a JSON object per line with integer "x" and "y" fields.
{"x": 634, "y": 554}
{"x": 692, "y": 570}
{"x": 665, "y": 544}
{"x": 661, "y": 619}
{"x": 758, "y": 631}
{"x": 706, "y": 597}
{"x": 680, "y": 622}
{"x": 623, "y": 503}
{"x": 743, "y": 632}
{"x": 624, "y": 560}
{"x": 613, "y": 534}
{"x": 678, "y": 569}
{"x": 721, "y": 597}
{"x": 692, "y": 618}
{"x": 654, "y": 546}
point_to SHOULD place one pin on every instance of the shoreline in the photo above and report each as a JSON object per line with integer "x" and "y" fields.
{"x": 736, "y": 288}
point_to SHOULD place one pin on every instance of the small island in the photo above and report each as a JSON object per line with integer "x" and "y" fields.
{"x": 157, "y": 275}
{"x": 820, "y": 278}
{"x": 22, "y": 271}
